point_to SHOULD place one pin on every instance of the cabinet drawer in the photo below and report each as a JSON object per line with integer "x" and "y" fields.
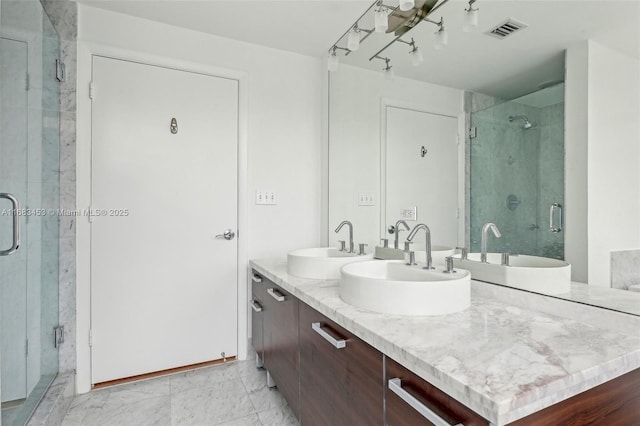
{"x": 400, "y": 412}
{"x": 340, "y": 375}
{"x": 280, "y": 334}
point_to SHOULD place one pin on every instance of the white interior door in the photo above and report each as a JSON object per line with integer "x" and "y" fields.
{"x": 163, "y": 287}
{"x": 427, "y": 182}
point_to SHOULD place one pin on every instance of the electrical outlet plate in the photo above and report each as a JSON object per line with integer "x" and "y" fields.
{"x": 366, "y": 199}
{"x": 410, "y": 213}
{"x": 266, "y": 197}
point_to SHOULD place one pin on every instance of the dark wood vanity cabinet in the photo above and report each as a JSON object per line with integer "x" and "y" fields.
{"x": 280, "y": 340}
{"x": 330, "y": 377}
{"x": 408, "y": 397}
{"x": 341, "y": 376}
{"x": 256, "y": 304}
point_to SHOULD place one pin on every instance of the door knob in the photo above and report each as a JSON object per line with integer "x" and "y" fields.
{"x": 227, "y": 235}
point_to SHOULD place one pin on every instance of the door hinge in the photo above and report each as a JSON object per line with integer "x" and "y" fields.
{"x": 90, "y": 337}
{"x": 92, "y": 92}
{"x": 60, "y": 70}
{"x": 89, "y": 215}
{"x": 473, "y": 132}
{"x": 58, "y": 335}
{"x": 27, "y": 83}
{"x": 26, "y": 347}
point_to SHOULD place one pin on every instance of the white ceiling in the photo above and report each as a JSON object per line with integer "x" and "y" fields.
{"x": 471, "y": 61}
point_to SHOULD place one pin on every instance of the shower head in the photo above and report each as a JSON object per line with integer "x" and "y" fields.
{"x": 527, "y": 123}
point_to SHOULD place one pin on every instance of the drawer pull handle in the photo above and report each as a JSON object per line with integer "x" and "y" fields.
{"x": 256, "y": 278}
{"x": 338, "y": 344}
{"x": 275, "y": 294}
{"x": 396, "y": 387}
{"x": 255, "y": 305}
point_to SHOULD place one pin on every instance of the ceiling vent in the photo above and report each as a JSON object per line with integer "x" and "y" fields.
{"x": 507, "y": 28}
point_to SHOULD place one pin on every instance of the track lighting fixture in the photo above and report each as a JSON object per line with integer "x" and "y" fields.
{"x": 353, "y": 42}
{"x": 381, "y": 18}
{"x": 470, "y": 18}
{"x": 334, "y": 62}
{"x": 398, "y": 21}
{"x": 414, "y": 53}
{"x": 442, "y": 38}
{"x": 406, "y": 5}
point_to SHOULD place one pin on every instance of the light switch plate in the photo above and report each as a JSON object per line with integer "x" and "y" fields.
{"x": 266, "y": 197}
{"x": 410, "y": 213}
{"x": 366, "y": 199}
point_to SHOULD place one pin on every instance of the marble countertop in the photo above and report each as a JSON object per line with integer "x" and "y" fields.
{"x": 605, "y": 297}
{"x": 502, "y": 361}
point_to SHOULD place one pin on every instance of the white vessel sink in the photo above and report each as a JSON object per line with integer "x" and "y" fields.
{"x": 322, "y": 263}
{"x": 531, "y": 273}
{"x": 391, "y": 287}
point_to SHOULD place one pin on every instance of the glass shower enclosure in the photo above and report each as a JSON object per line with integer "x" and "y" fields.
{"x": 517, "y": 174}
{"x": 29, "y": 170}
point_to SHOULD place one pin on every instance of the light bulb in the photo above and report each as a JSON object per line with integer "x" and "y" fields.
{"x": 406, "y": 5}
{"x": 381, "y": 20}
{"x": 333, "y": 62}
{"x": 470, "y": 20}
{"x": 354, "y": 40}
{"x": 442, "y": 38}
{"x": 416, "y": 57}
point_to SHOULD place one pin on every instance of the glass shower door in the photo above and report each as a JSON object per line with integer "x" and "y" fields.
{"x": 517, "y": 174}
{"x": 29, "y": 170}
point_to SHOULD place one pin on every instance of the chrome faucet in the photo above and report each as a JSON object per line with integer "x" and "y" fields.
{"x": 346, "y": 222}
{"x": 427, "y": 231}
{"x": 397, "y": 231}
{"x": 485, "y": 230}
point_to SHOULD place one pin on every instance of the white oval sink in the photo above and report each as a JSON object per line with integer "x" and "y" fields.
{"x": 321, "y": 263}
{"x": 391, "y": 287}
{"x": 531, "y": 273}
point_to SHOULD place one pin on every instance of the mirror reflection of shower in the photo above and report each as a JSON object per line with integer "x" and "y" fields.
{"x": 527, "y": 124}
{"x": 517, "y": 155}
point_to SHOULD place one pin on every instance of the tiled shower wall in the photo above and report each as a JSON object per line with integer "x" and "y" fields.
{"x": 64, "y": 16}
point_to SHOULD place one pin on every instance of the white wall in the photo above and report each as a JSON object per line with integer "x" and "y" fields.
{"x": 575, "y": 145}
{"x": 355, "y": 113}
{"x": 283, "y": 131}
{"x": 613, "y": 159}
{"x": 602, "y": 158}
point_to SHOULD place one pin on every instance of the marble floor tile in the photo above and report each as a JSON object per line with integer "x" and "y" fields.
{"x": 146, "y": 412}
{"x": 262, "y": 397}
{"x": 203, "y": 377}
{"x": 231, "y": 394}
{"x": 278, "y": 417}
{"x": 214, "y": 404}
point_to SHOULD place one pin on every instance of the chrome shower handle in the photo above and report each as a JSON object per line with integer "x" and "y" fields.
{"x": 552, "y": 209}
{"x": 16, "y": 224}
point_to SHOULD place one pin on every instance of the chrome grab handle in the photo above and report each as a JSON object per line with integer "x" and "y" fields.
{"x": 275, "y": 294}
{"x": 255, "y": 305}
{"x": 338, "y": 344}
{"x": 552, "y": 209}
{"x": 256, "y": 278}
{"x": 227, "y": 235}
{"x": 396, "y": 387}
{"x": 16, "y": 224}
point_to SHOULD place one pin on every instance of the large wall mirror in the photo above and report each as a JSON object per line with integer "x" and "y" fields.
{"x": 537, "y": 131}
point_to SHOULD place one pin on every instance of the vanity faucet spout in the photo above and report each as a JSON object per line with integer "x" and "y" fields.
{"x": 397, "y": 231}
{"x": 346, "y": 222}
{"x": 427, "y": 232}
{"x": 485, "y": 230}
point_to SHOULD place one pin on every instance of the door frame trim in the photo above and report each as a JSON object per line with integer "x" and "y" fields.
{"x": 86, "y": 52}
